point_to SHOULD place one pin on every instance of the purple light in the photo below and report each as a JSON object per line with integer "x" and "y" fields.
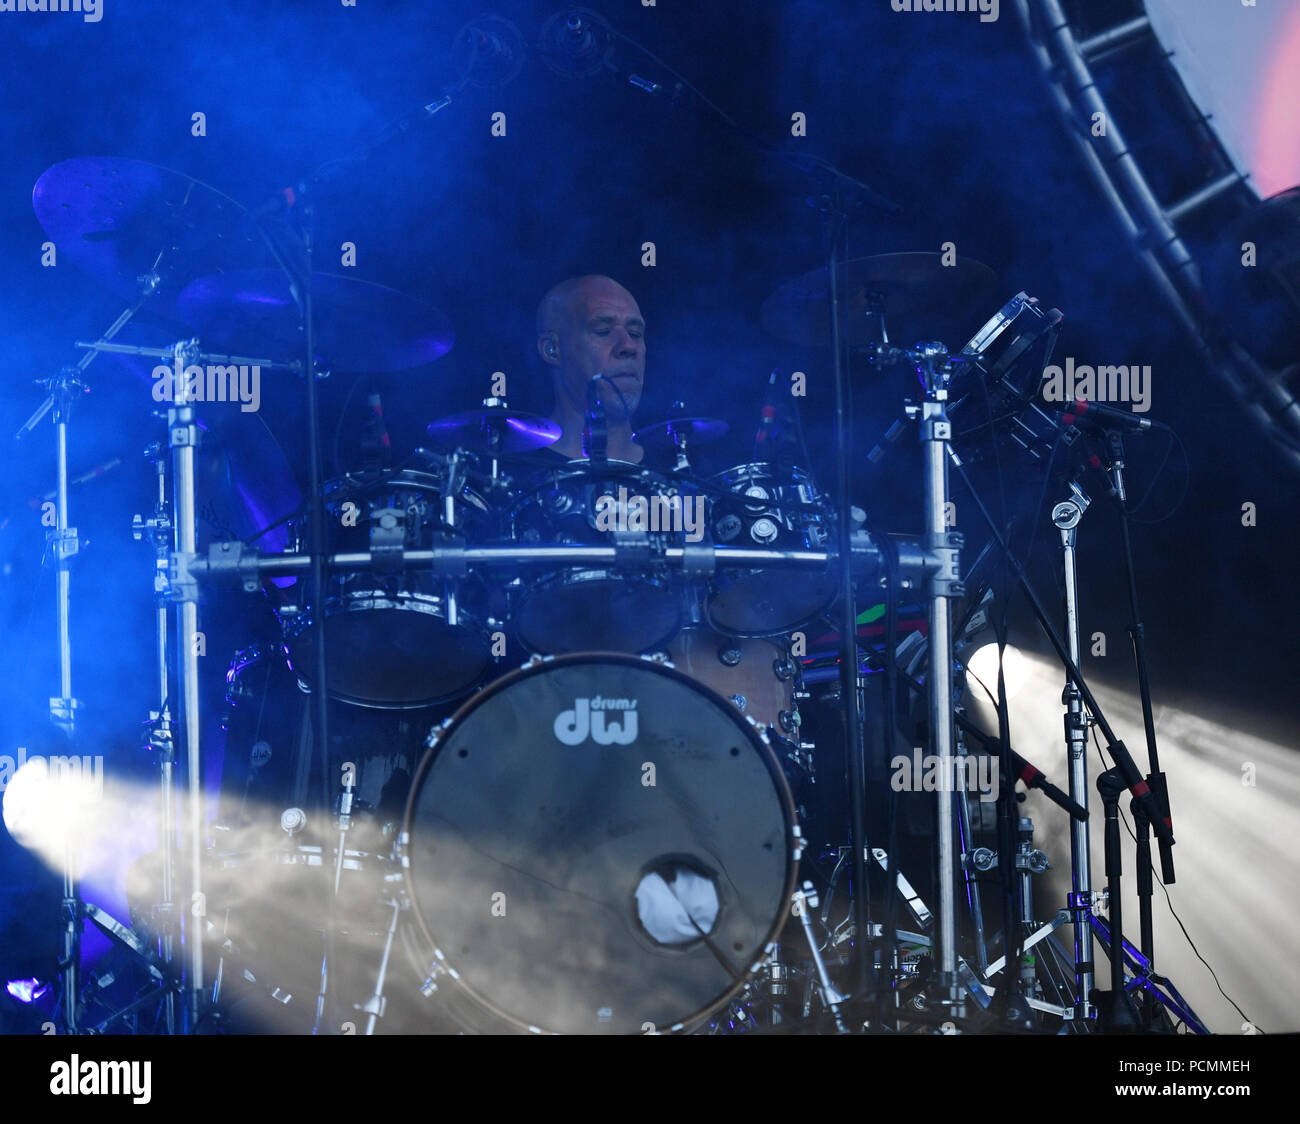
{"x": 25, "y": 990}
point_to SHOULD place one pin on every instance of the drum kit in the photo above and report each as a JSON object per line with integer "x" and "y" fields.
{"x": 555, "y": 780}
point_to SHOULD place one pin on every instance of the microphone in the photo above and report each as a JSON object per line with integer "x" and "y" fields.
{"x": 1093, "y": 415}
{"x": 767, "y": 428}
{"x": 1034, "y": 778}
{"x": 488, "y": 52}
{"x": 595, "y": 436}
{"x": 576, "y": 42}
{"x": 377, "y": 446}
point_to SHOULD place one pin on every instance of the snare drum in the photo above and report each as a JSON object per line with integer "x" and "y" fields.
{"x": 779, "y": 510}
{"x": 598, "y": 843}
{"x": 582, "y": 609}
{"x": 397, "y": 639}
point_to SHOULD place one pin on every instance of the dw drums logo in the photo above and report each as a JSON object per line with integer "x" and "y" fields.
{"x": 588, "y": 717}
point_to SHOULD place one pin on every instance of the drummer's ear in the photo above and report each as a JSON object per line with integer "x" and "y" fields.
{"x": 548, "y": 347}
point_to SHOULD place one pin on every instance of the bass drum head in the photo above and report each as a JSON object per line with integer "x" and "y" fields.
{"x": 596, "y": 844}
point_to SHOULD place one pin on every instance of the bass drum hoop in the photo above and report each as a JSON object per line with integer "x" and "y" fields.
{"x": 538, "y": 665}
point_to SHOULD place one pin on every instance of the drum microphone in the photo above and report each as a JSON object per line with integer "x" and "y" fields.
{"x": 376, "y": 445}
{"x": 576, "y": 42}
{"x": 595, "y": 436}
{"x": 767, "y": 430}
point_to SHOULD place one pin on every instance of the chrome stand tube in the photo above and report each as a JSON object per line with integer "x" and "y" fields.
{"x": 1066, "y": 516}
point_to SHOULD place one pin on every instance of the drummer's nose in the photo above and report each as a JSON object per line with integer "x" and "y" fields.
{"x": 627, "y": 344}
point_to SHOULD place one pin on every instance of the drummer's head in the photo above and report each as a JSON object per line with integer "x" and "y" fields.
{"x": 588, "y": 326}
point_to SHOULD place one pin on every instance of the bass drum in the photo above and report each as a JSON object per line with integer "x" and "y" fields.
{"x": 760, "y": 678}
{"x": 596, "y": 844}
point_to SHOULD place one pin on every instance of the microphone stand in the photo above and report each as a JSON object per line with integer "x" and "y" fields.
{"x": 1155, "y": 779}
{"x": 1066, "y": 516}
{"x": 1125, "y": 771}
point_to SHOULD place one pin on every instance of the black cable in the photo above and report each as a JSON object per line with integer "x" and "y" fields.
{"x": 1170, "y": 902}
{"x": 1187, "y": 484}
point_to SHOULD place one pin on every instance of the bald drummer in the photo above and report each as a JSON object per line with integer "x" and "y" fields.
{"x": 588, "y": 326}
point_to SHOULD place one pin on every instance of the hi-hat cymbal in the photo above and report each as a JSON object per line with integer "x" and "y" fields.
{"x": 687, "y": 431}
{"x": 134, "y": 226}
{"x": 494, "y": 430}
{"x": 359, "y": 326}
{"x": 921, "y": 299}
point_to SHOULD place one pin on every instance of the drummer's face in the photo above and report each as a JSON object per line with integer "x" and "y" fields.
{"x": 606, "y": 335}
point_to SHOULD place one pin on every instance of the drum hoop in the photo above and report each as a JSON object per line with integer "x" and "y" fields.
{"x": 393, "y": 480}
{"x": 539, "y": 665}
{"x": 796, "y": 472}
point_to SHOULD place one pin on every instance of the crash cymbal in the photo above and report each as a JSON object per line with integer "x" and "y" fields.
{"x": 921, "y": 298}
{"x": 690, "y": 432}
{"x": 124, "y": 220}
{"x": 494, "y": 430}
{"x": 359, "y": 326}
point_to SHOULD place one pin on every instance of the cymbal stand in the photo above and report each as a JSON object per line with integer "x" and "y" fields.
{"x": 161, "y": 740}
{"x": 943, "y": 584}
{"x": 183, "y": 438}
{"x": 64, "y": 389}
{"x": 1066, "y": 516}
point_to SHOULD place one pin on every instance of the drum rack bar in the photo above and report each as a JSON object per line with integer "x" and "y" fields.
{"x": 229, "y": 559}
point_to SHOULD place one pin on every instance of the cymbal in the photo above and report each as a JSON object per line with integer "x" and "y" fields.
{"x": 245, "y": 483}
{"x": 690, "y": 431}
{"x": 359, "y": 326}
{"x": 921, "y": 298}
{"x": 494, "y": 430}
{"x": 121, "y": 220}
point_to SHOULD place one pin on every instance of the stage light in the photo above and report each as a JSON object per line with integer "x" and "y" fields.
{"x": 49, "y": 803}
{"x": 983, "y": 665}
{"x": 26, "y": 991}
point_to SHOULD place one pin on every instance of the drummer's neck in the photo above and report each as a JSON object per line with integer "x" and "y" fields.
{"x": 619, "y": 445}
